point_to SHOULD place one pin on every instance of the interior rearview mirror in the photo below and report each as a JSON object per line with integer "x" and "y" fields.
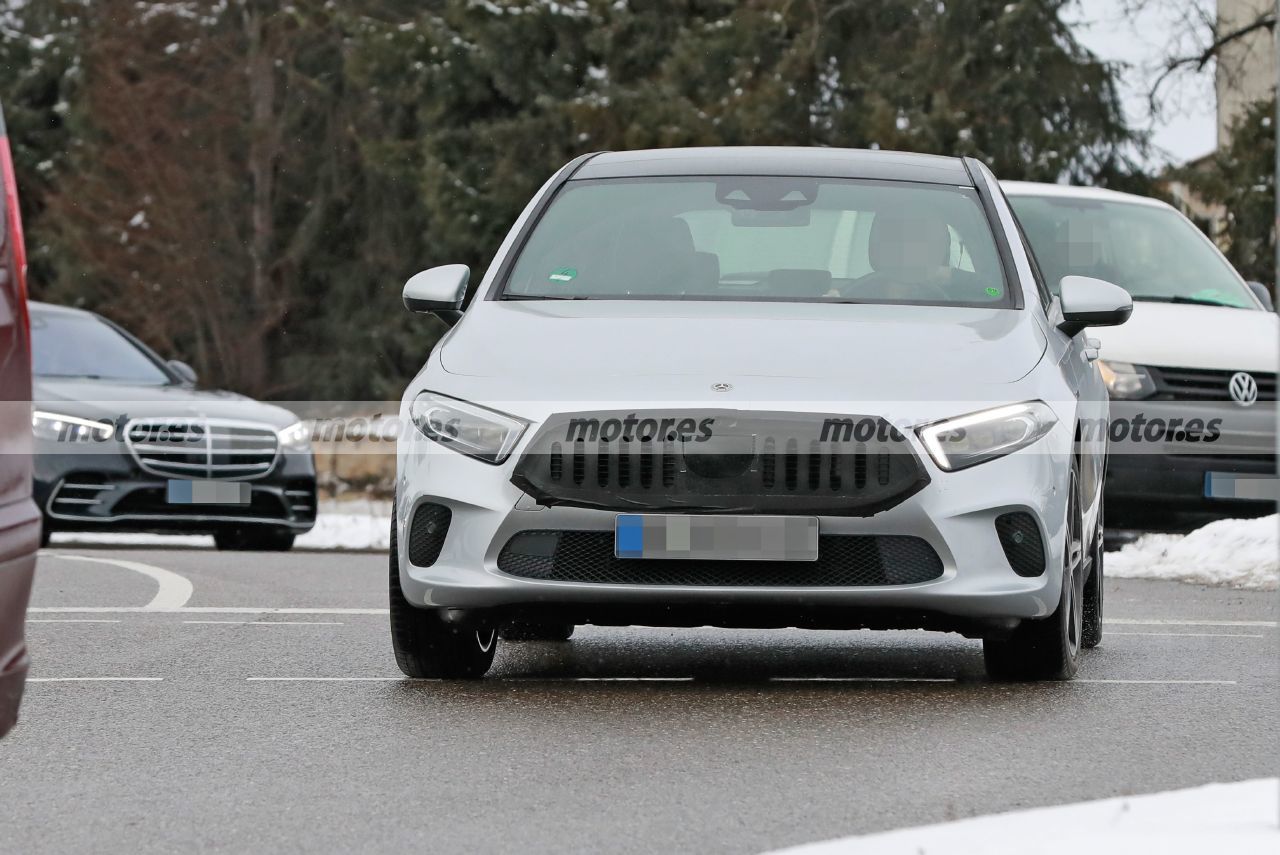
{"x": 185, "y": 372}
{"x": 1089, "y": 302}
{"x": 439, "y": 290}
{"x": 1263, "y": 294}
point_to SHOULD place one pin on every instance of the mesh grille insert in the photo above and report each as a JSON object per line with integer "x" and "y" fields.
{"x": 1020, "y": 538}
{"x": 843, "y": 561}
{"x": 427, "y": 533}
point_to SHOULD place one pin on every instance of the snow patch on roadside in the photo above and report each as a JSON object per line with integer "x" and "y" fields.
{"x": 1237, "y": 818}
{"x": 1230, "y": 553}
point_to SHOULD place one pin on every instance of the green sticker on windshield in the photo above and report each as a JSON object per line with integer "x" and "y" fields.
{"x": 563, "y": 274}
{"x": 993, "y": 292}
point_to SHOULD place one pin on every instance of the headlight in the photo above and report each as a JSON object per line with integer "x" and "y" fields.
{"x": 978, "y": 437}
{"x": 58, "y": 427}
{"x": 466, "y": 428}
{"x": 1126, "y": 381}
{"x": 296, "y": 437}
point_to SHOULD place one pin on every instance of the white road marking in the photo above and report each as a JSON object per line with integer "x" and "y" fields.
{"x": 73, "y": 620}
{"x": 1181, "y": 622}
{"x": 174, "y": 590}
{"x": 268, "y": 622}
{"x": 1153, "y": 682}
{"x": 95, "y": 679}
{"x": 862, "y": 679}
{"x": 1189, "y": 634}
{"x": 335, "y": 680}
{"x": 199, "y": 610}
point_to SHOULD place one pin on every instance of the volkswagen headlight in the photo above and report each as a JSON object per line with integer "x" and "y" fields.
{"x": 467, "y": 428}
{"x": 1126, "y": 381}
{"x": 296, "y": 437}
{"x": 62, "y": 428}
{"x": 978, "y": 437}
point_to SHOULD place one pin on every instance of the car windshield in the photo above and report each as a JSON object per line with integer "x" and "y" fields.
{"x": 763, "y": 238}
{"x": 82, "y": 346}
{"x": 1152, "y": 252}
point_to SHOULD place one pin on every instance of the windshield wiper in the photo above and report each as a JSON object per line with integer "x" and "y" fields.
{"x": 1193, "y": 301}
{"x": 545, "y": 297}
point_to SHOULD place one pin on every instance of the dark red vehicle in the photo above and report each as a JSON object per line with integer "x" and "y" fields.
{"x": 19, "y": 518}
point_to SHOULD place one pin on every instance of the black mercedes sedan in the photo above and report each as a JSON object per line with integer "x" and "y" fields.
{"x": 126, "y": 442}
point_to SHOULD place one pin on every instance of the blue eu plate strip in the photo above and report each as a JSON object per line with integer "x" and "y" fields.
{"x": 629, "y": 536}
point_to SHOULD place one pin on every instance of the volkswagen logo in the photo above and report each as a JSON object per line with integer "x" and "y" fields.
{"x": 1243, "y": 389}
{"x": 725, "y": 387}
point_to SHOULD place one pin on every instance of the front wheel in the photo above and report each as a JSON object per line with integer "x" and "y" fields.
{"x": 1048, "y": 648}
{"x": 425, "y": 645}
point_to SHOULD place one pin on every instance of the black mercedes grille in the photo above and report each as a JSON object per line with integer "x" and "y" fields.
{"x": 1020, "y": 538}
{"x": 427, "y": 532}
{"x": 1201, "y": 384}
{"x": 196, "y": 448}
{"x": 767, "y": 463}
{"x": 843, "y": 561}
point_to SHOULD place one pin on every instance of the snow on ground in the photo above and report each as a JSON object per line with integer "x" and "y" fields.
{"x": 1230, "y": 553}
{"x": 1237, "y": 818}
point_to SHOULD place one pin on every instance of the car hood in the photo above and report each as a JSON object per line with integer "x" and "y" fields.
{"x": 96, "y": 399}
{"x": 581, "y": 347}
{"x": 1179, "y": 335}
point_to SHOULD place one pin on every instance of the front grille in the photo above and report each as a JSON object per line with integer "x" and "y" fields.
{"x": 198, "y": 448}
{"x": 427, "y": 532}
{"x": 1202, "y": 384}
{"x": 1020, "y": 538}
{"x": 767, "y": 463}
{"x": 843, "y": 561}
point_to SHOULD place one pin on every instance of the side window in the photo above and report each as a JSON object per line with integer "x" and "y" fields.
{"x": 1041, "y": 287}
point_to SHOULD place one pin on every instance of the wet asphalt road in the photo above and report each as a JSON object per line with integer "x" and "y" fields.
{"x": 623, "y": 740}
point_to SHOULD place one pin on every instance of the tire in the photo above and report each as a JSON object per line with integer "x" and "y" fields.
{"x": 262, "y": 538}
{"x": 425, "y": 646}
{"x": 1091, "y": 629}
{"x": 46, "y": 532}
{"x": 1048, "y": 648}
{"x": 537, "y": 631}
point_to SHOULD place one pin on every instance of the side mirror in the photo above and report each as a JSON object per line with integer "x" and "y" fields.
{"x": 1088, "y": 302}
{"x": 1263, "y": 294}
{"x": 439, "y": 290}
{"x": 185, "y": 372}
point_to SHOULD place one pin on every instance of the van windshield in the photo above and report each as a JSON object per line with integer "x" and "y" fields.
{"x": 1152, "y": 252}
{"x": 763, "y": 238}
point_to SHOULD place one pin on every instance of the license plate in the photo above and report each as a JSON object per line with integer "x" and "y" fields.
{"x": 1232, "y": 485}
{"x": 208, "y": 493}
{"x": 725, "y": 538}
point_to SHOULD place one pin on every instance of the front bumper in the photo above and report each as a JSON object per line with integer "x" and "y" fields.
{"x": 110, "y": 492}
{"x": 955, "y": 514}
{"x": 1162, "y": 484}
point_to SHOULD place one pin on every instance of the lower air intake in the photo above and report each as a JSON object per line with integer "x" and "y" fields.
{"x": 843, "y": 561}
{"x": 1023, "y": 546}
{"x": 427, "y": 532}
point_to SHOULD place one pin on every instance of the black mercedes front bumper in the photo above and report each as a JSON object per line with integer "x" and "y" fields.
{"x": 110, "y": 492}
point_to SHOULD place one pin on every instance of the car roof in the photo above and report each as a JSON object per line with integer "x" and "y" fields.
{"x": 51, "y": 309}
{"x": 1068, "y": 191}
{"x": 777, "y": 160}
